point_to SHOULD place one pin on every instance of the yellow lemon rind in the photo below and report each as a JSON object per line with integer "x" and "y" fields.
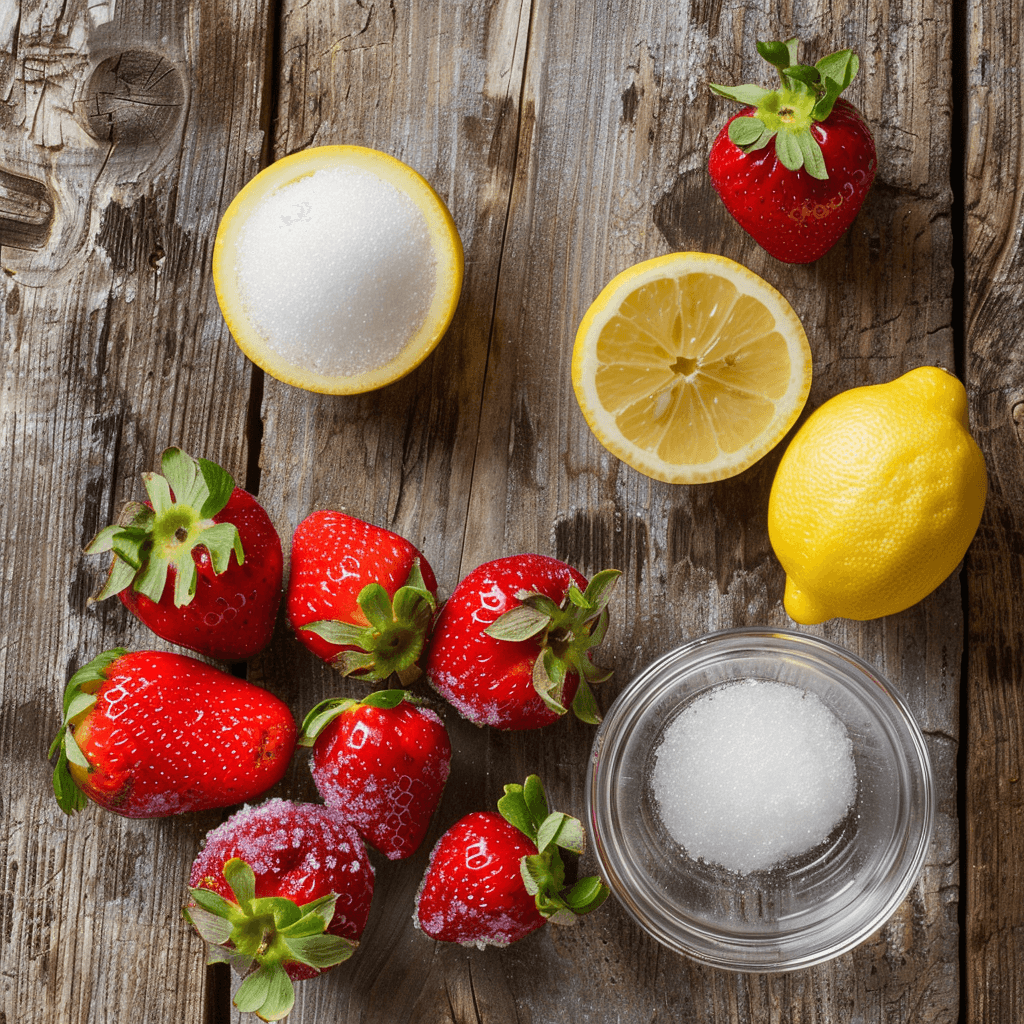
{"x": 605, "y": 306}
{"x": 843, "y": 557}
{"x": 444, "y": 238}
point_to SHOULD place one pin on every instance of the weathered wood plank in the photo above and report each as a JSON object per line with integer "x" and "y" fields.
{"x": 127, "y": 127}
{"x": 994, "y": 285}
{"x": 571, "y": 143}
{"x": 584, "y": 207}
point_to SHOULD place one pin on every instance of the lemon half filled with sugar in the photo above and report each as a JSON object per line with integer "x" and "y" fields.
{"x": 337, "y": 269}
{"x": 689, "y": 367}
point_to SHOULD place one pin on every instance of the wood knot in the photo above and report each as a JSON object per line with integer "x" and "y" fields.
{"x": 1017, "y": 414}
{"x": 26, "y": 211}
{"x": 134, "y": 98}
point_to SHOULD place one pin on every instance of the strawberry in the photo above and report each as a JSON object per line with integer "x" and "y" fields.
{"x": 147, "y": 734}
{"x": 511, "y": 646}
{"x": 381, "y": 761}
{"x": 794, "y": 166}
{"x": 494, "y": 878}
{"x": 360, "y": 597}
{"x": 200, "y": 563}
{"x": 281, "y": 892}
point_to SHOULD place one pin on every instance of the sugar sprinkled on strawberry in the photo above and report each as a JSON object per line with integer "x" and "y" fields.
{"x": 495, "y": 878}
{"x": 282, "y": 892}
{"x": 511, "y": 646}
{"x": 382, "y": 762}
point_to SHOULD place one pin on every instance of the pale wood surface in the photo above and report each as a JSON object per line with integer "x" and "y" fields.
{"x": 569, "y": 141}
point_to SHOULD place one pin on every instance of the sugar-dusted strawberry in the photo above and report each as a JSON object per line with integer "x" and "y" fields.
{"x": 511, "y": 646}
{"x": 148, "y": 734}
{"x": 281, "y": 892}
{"x": 199, "y": 563}
{"x": 494, "y": 878}
{"x": 382, "y": 762}
{"x": 793, "y": 167}
{"x": 360, "y": 597}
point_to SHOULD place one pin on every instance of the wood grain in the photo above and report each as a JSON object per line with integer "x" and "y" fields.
{"x": 994, "y": 276}
{"x": 570, "y": 143}
{"x": 127, "y": 128}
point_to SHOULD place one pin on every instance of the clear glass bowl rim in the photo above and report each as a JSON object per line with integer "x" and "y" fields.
{"x": 755, "y": 955}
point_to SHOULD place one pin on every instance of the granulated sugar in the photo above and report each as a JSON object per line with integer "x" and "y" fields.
{"x": 336, "y": 270}
{"x": 752, "y": 773}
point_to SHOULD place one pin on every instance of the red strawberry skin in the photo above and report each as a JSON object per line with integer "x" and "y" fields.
{"x": 385, "y": 770}
{"x": 231, "y": 617}
{"x": 490, "y": 681}
{"x": 170, "y": 734}
{"x": 795, "y": 217}
{"x": 333, "y": 557}
{"x": 298, "y": 851}
{"x": 473, "y": 891}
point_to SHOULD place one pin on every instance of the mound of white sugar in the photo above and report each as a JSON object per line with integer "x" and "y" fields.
{"x": 752, "y": 773}
{"x": 336, "y": 270}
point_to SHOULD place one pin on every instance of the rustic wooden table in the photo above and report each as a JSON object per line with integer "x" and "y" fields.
{"x": 569, "y": 140}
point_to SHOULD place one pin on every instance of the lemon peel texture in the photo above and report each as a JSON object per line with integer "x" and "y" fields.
{"x": 877, "y": 498}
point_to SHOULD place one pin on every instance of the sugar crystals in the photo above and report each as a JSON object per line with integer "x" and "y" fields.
{"x": 752, "y": 773}
{"x": 336, "y": 270}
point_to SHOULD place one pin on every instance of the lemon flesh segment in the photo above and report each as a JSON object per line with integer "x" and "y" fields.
{"x": 877, "y": 498}
{"x": 338, "y": 269}
{"x": 690, "y": 368}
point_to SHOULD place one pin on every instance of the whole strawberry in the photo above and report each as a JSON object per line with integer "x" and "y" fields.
{"x": 281, "y": 892}
{"x": 360, "y": 597}
{"x": 199, "y": 563}
{"x": 793, "y": 167}
{"x": 511, "y": 646}
{"x": 382, "y": 762}
{"x": 494, "y": 878}
{"x": 148, "y": 734}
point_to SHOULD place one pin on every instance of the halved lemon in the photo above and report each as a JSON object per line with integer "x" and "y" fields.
{"x": 337, "y": 269}
{"x": 690, "y": 367}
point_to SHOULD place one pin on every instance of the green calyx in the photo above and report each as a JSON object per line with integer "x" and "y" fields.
{"x": 566, "y": 634}
{"x": 79, "y": 697}
{"x": 393, "y": 640}
{"x": 806, "y": 96}
{"x": 526, "y": 807}
{"x": 147, "y": 541}
{"x": 259, "y": 936}
{"x": 328, "y": 710}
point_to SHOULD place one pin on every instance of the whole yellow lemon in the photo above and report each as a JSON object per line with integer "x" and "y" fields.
{"x": 877, "y": 498}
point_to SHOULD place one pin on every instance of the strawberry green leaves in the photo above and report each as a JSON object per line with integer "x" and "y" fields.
{"x": 147, "y": 541}
{"x": 328, "y": 710}
{"x": 394, "y": 637}
{"x": 259, "y": 936}
{"x": 566, "y": 635}
{"x": 79, "y": 697}
{"x": 806, "y": 96}
{"x": 526, "y": 808}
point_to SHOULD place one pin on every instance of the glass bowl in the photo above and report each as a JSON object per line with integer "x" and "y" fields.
{"x": 809, "y": 908}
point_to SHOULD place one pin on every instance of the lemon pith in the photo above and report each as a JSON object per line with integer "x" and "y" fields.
{"x": 877, "y": 498}
{"x": 689, "y": 367}
{"x": 421, "y": 338}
